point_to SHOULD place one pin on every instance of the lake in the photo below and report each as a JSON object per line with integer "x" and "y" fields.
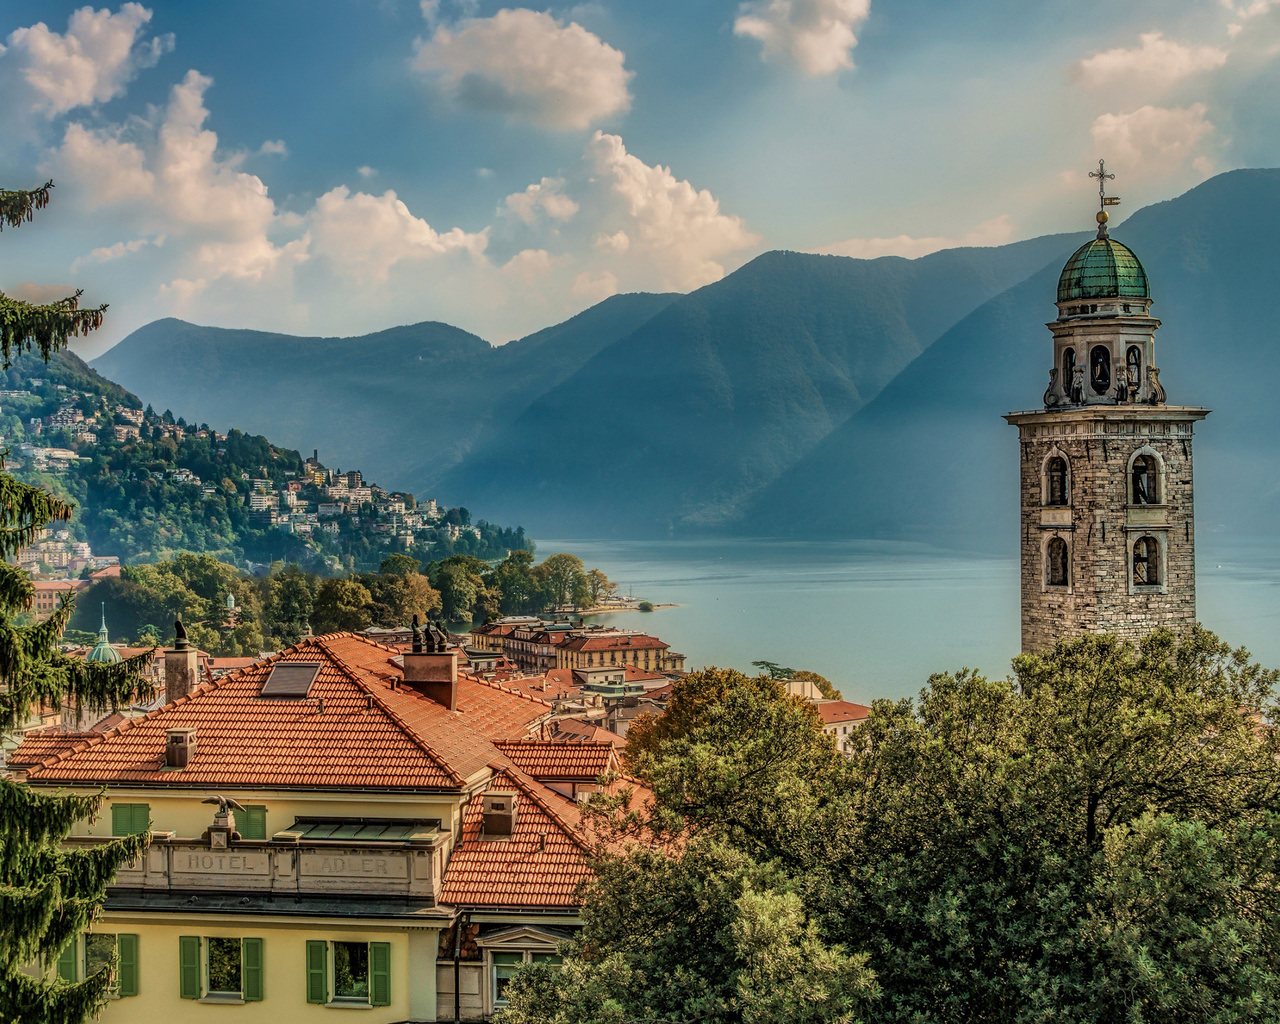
{"x": 876, "y": 618}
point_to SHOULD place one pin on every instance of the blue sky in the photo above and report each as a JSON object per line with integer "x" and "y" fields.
{"x": 342, "y": 167}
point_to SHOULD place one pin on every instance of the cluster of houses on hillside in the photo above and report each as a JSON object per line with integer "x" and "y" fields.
{"x": 320, "y": 497}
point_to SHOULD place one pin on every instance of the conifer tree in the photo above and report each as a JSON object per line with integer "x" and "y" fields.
{"x": 47, "y": 894}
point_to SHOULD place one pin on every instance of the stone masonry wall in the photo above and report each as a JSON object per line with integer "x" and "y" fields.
{"x": 1102, "y": 530}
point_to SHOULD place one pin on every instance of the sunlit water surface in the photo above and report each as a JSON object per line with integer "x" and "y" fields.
{"x": 877, "y": 618}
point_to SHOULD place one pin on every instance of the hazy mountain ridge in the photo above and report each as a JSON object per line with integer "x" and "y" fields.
{"x": 401, "y": 404}
{"x": 678, "y": 424}
{"x": 930, "y": 458}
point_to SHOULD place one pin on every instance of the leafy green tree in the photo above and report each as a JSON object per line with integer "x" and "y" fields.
{"x": 522, "y": 592}
{"x": 341, "y": 604}
{"x": 47, "y": 894}
{"x": 1095, "y": 839}
{"x": 399, "y": 565}
{"x": 288, "y": 593}
{"x": 565, "y": 579}
{"x": 599, "y": 587}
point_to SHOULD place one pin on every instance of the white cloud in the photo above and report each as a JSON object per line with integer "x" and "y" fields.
{"x": 167, "y": 178}
{"x": 546, "y": 197}
{"x": 817, "y": 36}
{"x": 110, "y": 252}
{"x": 1251, "y": 9}
{"x": 1154, "y": 141}
{"x": 95, "y": 59}
{"x": 484, "y": 172}
{"x": 274, "y": 147}
{"x": 619, "y": 241}
{"x": 366, "y": 171}
{"x": 677, "y": 228}
{"x": 1155, "y": 64}
{"x": 595, "y": 286}
{"x": 364, "y": 236}
{"x": 997, "y": 231}
{"x": 529, "y": 66}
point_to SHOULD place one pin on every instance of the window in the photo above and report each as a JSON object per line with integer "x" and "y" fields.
{"x": 1144, "y": 478}
{"x": 86, "y": 955}
{"x": 220, "y": 968}
{"x": 1100, "y": 369}
{"x": 252, "y": 823}
{"x": 1146, "y": 562}
{"x": 351, "y": 970}
{"x": 505, "y": 966}
{"x": 1068, "y": 369}
{"x": 1056, "y": 471}
{"x": 130, "y": 819}
{"x": 361, "y": 972}
{"x": 1133, "y": 364}
{"x": 1057, "y": 553}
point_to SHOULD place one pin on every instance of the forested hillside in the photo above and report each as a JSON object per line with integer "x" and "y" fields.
{"x": 148, "y": 484}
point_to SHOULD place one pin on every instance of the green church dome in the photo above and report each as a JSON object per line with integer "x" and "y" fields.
{"x": 1102, "y": 268}
{"x": 103, "y": 653}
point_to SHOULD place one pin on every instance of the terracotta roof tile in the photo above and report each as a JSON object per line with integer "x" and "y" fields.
{"x": 541, "y": 865}
{"x": 369, "y": 735}
{"x": 614, "y": 643}
{"x": 836, "y": 711}
{"x": 559, "y": 760}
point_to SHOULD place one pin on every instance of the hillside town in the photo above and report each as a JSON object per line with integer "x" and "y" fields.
{"x": 267, "y": 501}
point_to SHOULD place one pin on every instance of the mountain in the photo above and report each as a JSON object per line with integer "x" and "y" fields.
{"x": 931, "y": 459}
{"x": 680, "y": 423}
{"x": 402, "y": 404}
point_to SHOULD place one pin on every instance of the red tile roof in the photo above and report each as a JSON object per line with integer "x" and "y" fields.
{"x": 577, "y": 730}
{"x": 39, "y": 744}
{"x": 613, "y": 643}
{"x": 559, "y": 760}
{"x": 541, "y": 865}
{"x": 834, "y": 712}
{"x": 369, "y": 734}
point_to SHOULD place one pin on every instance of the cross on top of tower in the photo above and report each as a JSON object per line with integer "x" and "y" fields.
{"x": 1104, "y": 200}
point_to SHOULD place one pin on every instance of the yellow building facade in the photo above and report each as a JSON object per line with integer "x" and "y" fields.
{"x": 325, "y": 824}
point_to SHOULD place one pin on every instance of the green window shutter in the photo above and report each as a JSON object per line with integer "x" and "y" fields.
{"x": 130, "y": 819}
{"x": 317, "y": 971}
{"x": 253, "y": 823}
{"x": 251, "y": 970}
{"x": 67, "y": 962}
{"x": 127, "y": 982}
{"x": 189, "y": 966}
{"x": 380, "y": 973}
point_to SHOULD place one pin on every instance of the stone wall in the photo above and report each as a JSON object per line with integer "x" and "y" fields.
{"x": 1100, "y": 525}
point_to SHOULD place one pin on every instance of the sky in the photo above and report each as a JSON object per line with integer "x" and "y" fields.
{"x": 343, "y": 167}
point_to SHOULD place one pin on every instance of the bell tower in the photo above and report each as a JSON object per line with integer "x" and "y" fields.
{"x": 1107, "y": 526}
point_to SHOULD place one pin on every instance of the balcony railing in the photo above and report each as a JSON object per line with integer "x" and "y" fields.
{"x": 286, "y": 866}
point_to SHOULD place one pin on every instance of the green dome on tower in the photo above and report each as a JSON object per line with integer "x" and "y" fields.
{"x": 103, "y": 653}
{"x": 1102, "y": 268}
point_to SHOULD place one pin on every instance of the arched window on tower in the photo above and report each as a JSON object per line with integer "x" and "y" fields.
{"x": 1133, "y": 367}
{"x": 1145, "y": 489}
{"x": 1068, "y": 368}
{"x": 1056, "y": 552}
{"x": 1100, "y": 369}
{"x": 1146, "y": 562}
{"x": 1056, "y": 473}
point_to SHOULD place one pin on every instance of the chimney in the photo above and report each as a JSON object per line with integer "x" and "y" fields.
{"x": 431, "y": 670}
{"x": 179, "y": 747}
{"x": 181, "y": 670}
{"x": 499, "y": 814}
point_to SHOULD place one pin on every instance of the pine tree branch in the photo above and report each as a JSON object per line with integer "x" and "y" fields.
{"x": 48, "y": 328}
{"x": 17, "y": 205}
